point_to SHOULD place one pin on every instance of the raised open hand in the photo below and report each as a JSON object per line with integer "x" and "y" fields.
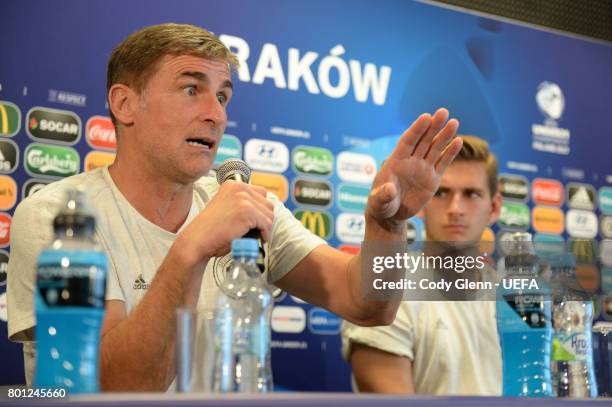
{"x": 410, "y": 176}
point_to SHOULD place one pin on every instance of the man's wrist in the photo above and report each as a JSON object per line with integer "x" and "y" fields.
{"x": 384, "y": 230}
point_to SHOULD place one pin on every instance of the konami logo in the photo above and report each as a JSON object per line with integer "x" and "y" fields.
{"x": 101, "y": 133}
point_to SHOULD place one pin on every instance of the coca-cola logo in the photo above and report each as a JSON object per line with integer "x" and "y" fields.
{"x": 101, "y": 133}
{"x": 547, "y": 192}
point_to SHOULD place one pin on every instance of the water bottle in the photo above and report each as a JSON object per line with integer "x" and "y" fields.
{"x": 228, "y": 314}
{"x": 572, "y": 355}
{"x": 524, "y": 322}
{"x": 69, "y": 301}
{"x": 253, "y": 331}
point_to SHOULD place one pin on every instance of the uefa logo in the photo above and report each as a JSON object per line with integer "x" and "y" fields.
{"x": 550, "y": 100}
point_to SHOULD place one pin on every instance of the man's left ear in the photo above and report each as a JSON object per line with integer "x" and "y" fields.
{"x": 496, "y": 204}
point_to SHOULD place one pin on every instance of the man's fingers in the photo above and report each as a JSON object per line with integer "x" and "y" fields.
{"x": 448, "y": 155}
{"x": 437, "y": 122}
{"x": 382, "y": 199}
{"x": 441, "y": 141}
{"x": 410, "y": 138}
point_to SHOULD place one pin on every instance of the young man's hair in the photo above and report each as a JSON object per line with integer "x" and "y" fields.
{"x": 476, "y": 149}
{"x": 134, "y": 60}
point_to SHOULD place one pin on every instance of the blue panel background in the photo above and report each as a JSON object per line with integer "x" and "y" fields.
{"x": 486, "y": 72}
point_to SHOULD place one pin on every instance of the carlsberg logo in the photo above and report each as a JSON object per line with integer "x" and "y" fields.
{"x": 310, "y": 160}
{"x": 51, "y": 160}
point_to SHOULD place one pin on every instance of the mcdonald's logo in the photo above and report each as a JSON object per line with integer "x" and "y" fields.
{"x": 10, "y": 119}
{"x": 317, "y": 222}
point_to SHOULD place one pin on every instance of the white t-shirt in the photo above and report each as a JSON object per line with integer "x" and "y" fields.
{"x": 454, "y": 346}
{"x": 135, "y": 246}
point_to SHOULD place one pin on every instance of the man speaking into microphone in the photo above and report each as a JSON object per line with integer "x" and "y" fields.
{"x": 163, "y": 222}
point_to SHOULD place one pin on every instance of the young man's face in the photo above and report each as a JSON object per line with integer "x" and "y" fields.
{"x": 182, "y": 115}
{"x": 462, "y": 207}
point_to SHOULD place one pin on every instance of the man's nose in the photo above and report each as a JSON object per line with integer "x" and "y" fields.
{"x": 213, "y": 111}
{"x": 456, "y": 205}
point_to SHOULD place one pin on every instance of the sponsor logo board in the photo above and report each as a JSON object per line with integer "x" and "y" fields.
{"x": 354, "y": 167}
{"x": 54, "y": 125}
{"x": 581, "y": 196}
{"x": 4, "y": 258}
{"x": 51, "y": 161}
{"x": 319, "y": 223}
{"x": 273, "y": 183}
{"x": 514, "y": 186}
{"x": 288, "y": 319}
{"x": 312, "y": 160}
{"x": 605, "y": 199}
{"x": 10, "y": 119}
{"x": 581, "y": 224}
{"x": 323, "y": 322}
{"x": 547, "y": 192}
{"x": 5, "y": 229}
{"x": 312, "y": 192}
{"x": 98, "y": 159}
{"x": 9, "y": 156}
{"x": 514, "y": 215}
{"x": 352, "y": 198}
{"x": 8, "y": 192}
{"x": 100, "y": 133}
{"x": 350, "y": 227}
{"x": 230, "y": 147}
{"x": 266, "y": 155}
{"x": 546, "y": 219}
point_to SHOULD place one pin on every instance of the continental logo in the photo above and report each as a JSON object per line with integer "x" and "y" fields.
{"x": 8, "y": 192}
{"x": 273, "y": 183}
{"x": 355, "y": 167}
{"x": 547, "y": 192}
{"x": 514, "y": 215}
{"x": 581, "y": 196}
{"x": 487, "y": 241}
{"x": 10, "y": 119}
{"x": 312, "y": 160}
{"x": 9, "y": 156}
{"x": 32, "y": 186}
{"x": 548, "y": 220}
{"x": 4, "y": 258}
{"x": 97, "y": 159}
{"x": 514, "y": 187}
{"x": 5, "y": 229}
{"x": 230, "y": 147}
{"x": 309, "y": 192}
{"x": 100, "y": 133}
{"x": 319, "y": 223}
{"x": 61, "y": 126}
{"x": 51, "y": 161}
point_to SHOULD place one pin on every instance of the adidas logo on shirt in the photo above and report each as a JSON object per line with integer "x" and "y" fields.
{"x": 141, "y": 284}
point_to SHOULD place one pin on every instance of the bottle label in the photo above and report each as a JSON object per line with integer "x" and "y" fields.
{"x": 533, "y": 309}
{"x": 571, "y": 347}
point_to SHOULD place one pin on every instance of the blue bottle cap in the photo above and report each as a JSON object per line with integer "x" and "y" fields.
{"x": 245, "y": 248}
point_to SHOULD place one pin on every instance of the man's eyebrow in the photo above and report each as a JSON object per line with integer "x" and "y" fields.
{"x": 202, "y": 77}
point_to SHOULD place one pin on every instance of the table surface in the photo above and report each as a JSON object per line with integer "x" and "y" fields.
{"x": 291, "y": 399}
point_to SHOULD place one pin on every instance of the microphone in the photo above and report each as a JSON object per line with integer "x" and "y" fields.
{"x": 239, "y": 171}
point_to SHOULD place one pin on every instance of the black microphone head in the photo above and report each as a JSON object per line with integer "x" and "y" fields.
{"x": 232, "y": 167}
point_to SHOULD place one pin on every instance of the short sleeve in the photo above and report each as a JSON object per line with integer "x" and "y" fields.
{"x": 397, "y": 338}
{"x": 31, "y": 231}
{"x": 290, "y": 242}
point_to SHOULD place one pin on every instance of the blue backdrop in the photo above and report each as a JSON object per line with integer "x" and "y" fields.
{"x": 345, "y": 76}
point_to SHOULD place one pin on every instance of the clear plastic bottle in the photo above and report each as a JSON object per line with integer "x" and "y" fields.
{"x": 524, "y": 322}
{"x": 572, "y": 355}
{"x": 69, "y": 301}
